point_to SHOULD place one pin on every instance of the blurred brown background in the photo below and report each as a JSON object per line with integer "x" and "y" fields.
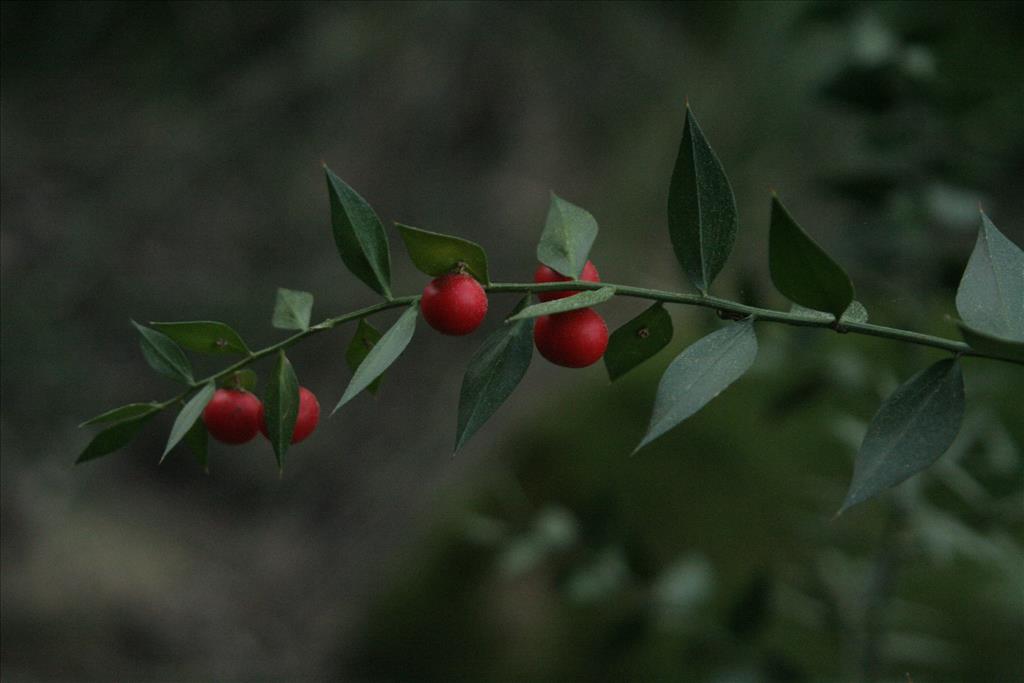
{"x": 162, "y": 162}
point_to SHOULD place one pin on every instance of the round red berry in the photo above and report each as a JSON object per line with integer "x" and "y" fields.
{"x": 305, "y": 422}
{"x": 454, "y": 304}
{"x": 231, "y": 416}
{"x": 546, "y": 274}
{"x": 574, "y": 339}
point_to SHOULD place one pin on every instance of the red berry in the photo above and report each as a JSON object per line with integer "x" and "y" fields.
{"x": 454, "y": 304}
{"x": 231, "y": 416}
{"x": 546, "y": 274}
{"x": 574, "y": 339}
{"x": 305, "y": 422}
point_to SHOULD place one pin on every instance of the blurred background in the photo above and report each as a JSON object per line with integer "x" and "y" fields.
{"x": 162, "y": 162}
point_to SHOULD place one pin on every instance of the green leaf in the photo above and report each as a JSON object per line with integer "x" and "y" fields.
{"x": 991, "y": 344}
{"x": 163, "y": 355}
{"x": 204, "y": 336}
{"x": 855, "y": 313}
{"x": 188, "y": 416}
{"x": 281, "y": 406}
{"x": 292, "y": 309}
{"x": 365, "y": 338}
{"x": 122, "y": 413}
{"x": 117, "y": 436}
{"x": 584, "y": 299}
{"x": 700, "y": 373}
{"x": 382, "y": 355}
{"x": 990, "y": 298}
{"x": 701, "y": 208}
{"x": 801, "y": 270}
{"x": 569, "y": 232}
{"x": 359, "y": 235}
{"x": 436, "y": 254}
{"x": 241, "y": 379}
{"x": 198, "y": 440}
{"x": 493, "y": 373}
{"x": 638, "y": 340}
{"x": 914, "y": 426}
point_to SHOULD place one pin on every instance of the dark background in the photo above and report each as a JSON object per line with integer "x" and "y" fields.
{"x": 162, "y": 162}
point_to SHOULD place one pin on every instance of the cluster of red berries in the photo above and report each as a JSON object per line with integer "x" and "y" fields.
{"x": 234, "y": 416}
{"x": 456, "y": 304}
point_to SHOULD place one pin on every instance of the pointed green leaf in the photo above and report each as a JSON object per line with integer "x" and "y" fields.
{"x": 198, "y": 441}
{"x": 914, "y": 426}
{"x": 292, "y": 309}
{"x": 359, "y": 236}
{"x": 701, "y": 208}
{"x": 801, "y": 270}
{"x": 241, "y": 379}
{"x": 281, "y": 406}
{"x": 991, "y": 344}
{"x": 190, "y": 412}
{"x": 990, "y": 298}
{"x": 436, "y": 254}
{"x": 700, "y": 373}
{"x": 365, "y": 338}
{"x": 163, "y": 355}
{"x": 382, "y": 355}
{"x": 204, "y": 336}
{"x": 117, "y": 436}
{"x": 493, "y": 373}
{"x": 638, "y": 340}
{"x": 127, "y": 412}
{"x": 855, "y": 313}
{"x": 584, "y": 299}
{"x": 569, "y": 232}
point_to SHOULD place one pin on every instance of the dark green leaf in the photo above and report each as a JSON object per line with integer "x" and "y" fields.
{"x": 241, "y": 379}
{"x": 990, "y": 298}
{"x": 359, "y": 235}
{"x": 436, "y": 254}
{"x": 855, "y": 313}
{"x": 569, "y": 232}
{"x": 584, "y": 299}
{"x": 700, "y": 373}
{"x": 163, "y": 355}
{"x": 281, "y": 406}
{"x": 365, "y": 338}
{"x": 198, "y": 440}
{"x": 701, "y": 208}
{"x": 991, "y": 344}
{"x": 190, "y": 412}
{"x": 493, "y": 373}
{"x": 292, "y": 309}
{"x": 914, "y": 426}
{"x": 638, "y": 340}
{"x": 382, "y": 355}
{"x": 114, "y": 437}
{"x": 121, "y": 414}
{"x": 801, "y": 270}
{"x": 204, "y": 336}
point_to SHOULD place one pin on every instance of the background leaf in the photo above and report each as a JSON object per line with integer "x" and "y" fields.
{"x": 989, "y": 343}
{"x": 990, "y": 298}
{"x": 365, "y": 338}
{"x": 122, "y": 413}
{"x": 436, "y": 254}
{"x": 359, "y": 236}
{"x": 854, "y": 313}
{"x": 241, "y": 379}
{"x": 281, "y": 406}
{"x": 114, "y": 437}
{"x": 914, "y": 426}
{"x": 569, "y": 232}
{"x": 204, "y": 336}
{"x": 584, "y": 299}
{"x": 190, "y": 412}
{"x": 701, "y": 208}
{"x": 292, "y": 309}
{"x": 638, "y": 340}
{"x": 801, "y": 270}
{"x": 198, "y": 440}
{"x": 163, "y": 355}
{"x": 493, "y": 373}
{"x": 382, "y": 355}
{"x": 702, "y": 371}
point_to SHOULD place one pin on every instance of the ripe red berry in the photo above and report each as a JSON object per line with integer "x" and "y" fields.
{"x": 454, "y": 304}
{"x": 546, "y": 274}
{"x": 305, "y": 422}
{"x": 574, "y": 339}
{"x": 231, "y": 416}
